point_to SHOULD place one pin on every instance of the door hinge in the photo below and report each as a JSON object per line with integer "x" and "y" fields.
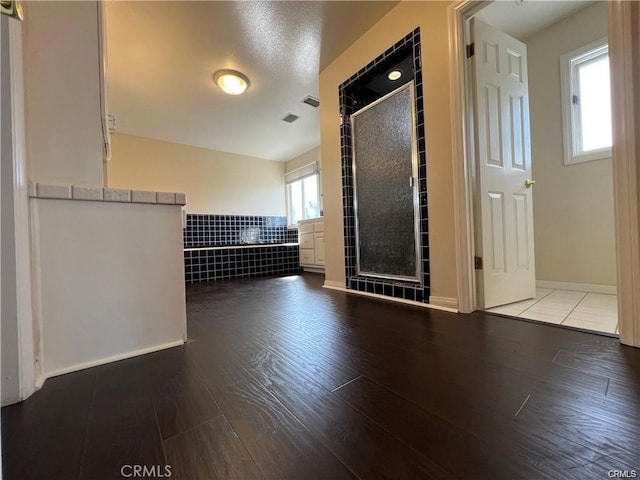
{"x": 11, "y": 8}
{"x": 575, "y": 100}
{"x": 471, "y": 50}
{"x": 111, "y": 124}
{"x": 477, "y": 263}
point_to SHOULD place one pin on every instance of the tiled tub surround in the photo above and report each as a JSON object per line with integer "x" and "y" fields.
{"x": 352, "y": 100}
{"x": 231, "y": 230}
{"x": 220, "y": 247}
{"x": 222, "y": 263}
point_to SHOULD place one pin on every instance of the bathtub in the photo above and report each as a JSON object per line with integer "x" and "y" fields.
{"x": 203, "y": 264}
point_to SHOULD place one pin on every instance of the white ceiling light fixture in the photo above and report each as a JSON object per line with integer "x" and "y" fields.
{"x": 394, "y": 74}
{"x": 231, "y": 81}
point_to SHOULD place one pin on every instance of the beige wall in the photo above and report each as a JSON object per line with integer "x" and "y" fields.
{"x": 215, "y": 182}
{"x": 573, "y": 204}
{"x": 431, "y": 17}
{"x": 313, "y": 155}
{"x": 306, "y": 158}
{"x": 62, "y": 101}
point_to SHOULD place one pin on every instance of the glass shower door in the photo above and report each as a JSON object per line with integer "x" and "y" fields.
{"x": 386, "y": 203}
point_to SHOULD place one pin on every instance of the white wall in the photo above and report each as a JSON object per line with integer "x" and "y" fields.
{"x": 573, "y": 204}
{"x": 64, "y": 129}
{"x": 214, "y": 182}
{"x": 108, "y": 278}
{"x": 112, "y": 280}
{"x": 4, "y": 98}
{"x": 9, "y": 365}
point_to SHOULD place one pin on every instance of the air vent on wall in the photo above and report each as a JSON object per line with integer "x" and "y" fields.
{"x": 290, "y": 118}
{"x": 312, "y": 101}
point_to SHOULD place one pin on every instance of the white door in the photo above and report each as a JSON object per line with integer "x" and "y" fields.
{"x": 504, "y": 214}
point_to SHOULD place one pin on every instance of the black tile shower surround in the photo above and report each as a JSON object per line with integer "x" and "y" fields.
{"x": 228, "y": 230}
{"x": 203, "y": 265}
{"x": 353, "y": 97}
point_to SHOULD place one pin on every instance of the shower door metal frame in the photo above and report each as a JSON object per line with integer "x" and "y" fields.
{"x": 412, "y": 182}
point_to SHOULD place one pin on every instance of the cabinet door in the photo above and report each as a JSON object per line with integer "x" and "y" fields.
{"x": 306, "y": 240}
{"x": 319, "y": 246}
{"x": 305, "y": 228}
{"x": 307, "y": 258}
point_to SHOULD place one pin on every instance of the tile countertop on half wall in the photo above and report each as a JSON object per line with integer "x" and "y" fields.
{"x": 100, "y": 194}
{"x": 109, "y": 282}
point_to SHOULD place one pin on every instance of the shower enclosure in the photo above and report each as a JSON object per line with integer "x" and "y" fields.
{"x": 384, "y": 175}
{"x": 385, "y": 170}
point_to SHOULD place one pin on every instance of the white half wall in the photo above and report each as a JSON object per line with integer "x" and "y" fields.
{"x": 214, "y": 182}
{"x": 572, "y": 204}
{"x": 110, "y": 278}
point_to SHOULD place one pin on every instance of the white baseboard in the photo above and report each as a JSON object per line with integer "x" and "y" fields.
{"x": 444, "y": 302}
{"x": 39, "y": 382}
{"x": 332, "y": 286}
{"x": 37, "y": 385}
{"x": 313, "y": 269}
{"x": 114, "y": 358}
{"x": 11, "y": 401}
{"x": 578, "y": 287}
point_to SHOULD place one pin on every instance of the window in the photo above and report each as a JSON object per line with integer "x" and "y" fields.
{"x": 586, "y": 103}
{"x": 303, "y": 199}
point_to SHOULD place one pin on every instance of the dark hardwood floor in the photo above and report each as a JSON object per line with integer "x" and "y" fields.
{"x": 282, "y": 379}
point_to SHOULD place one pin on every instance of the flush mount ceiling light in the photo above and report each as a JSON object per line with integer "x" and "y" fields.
{"x": 231, "y": 82}
{"x": 394, "y": 74}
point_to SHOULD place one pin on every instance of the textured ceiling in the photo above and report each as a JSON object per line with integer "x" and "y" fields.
{"x": 523, "y": 19}
{"x": 162, "y": 56}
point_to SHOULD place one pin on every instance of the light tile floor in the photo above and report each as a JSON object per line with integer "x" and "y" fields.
{"x": 591, "y": 311}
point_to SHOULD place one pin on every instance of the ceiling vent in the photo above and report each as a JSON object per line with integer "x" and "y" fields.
{"x": 290, "y": 118}
{"x": 312, "y": 101}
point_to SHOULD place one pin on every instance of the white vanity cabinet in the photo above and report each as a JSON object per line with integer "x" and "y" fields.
{"x": 311, "y": 239}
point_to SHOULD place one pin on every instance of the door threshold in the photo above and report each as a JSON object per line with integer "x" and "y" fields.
{"x": 551, "y": 324}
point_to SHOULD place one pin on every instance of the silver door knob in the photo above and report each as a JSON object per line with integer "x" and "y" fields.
{"x": 529, "y": 183}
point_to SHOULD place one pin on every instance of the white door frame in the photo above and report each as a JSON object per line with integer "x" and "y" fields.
{"x": 21, "y": 214}
{"x": 624, "y": 55}
{"x": 21, "y": 220}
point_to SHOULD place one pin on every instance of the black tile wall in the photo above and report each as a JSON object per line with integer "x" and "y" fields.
{"x": 225, "y": 263}
{"x": 353, "y": 97}
{"x": 229, "y": 230}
